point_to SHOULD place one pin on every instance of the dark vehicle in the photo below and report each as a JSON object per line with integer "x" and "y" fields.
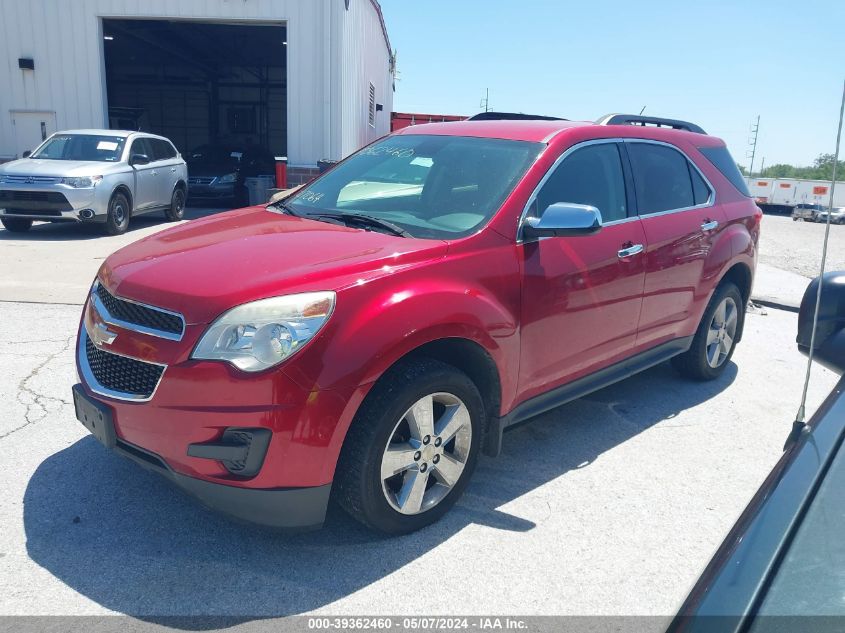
{"x": 782, "y": 566}
{"x": 218, "y": 171}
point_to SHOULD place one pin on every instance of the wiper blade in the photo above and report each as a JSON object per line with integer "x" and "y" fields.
{"x": 284, "y": 207}
{"x": 366, "y": 221}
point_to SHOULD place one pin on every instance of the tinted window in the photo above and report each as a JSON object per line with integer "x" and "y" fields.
{"x": 700, "y": 190}
{"x": 439, "y": 187}
{"x": 162, "y": 150}
{"x": 141, "y": 146}
{"x": 590, "y": 175}
{"x": 661, "y": 177}
{"x": 724, "y": 162}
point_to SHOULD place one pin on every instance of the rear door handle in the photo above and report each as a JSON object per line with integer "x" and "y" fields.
{"x": 630, "y": 251}
{"x": 710, "y": 225}
{"x": 172, "y": 170}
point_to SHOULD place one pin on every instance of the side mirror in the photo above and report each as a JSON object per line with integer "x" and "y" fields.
{"x": 26, "y": 154}
{"x": 563, "y": 219}
{"x": 139, "y": 159}
{"x": 830, "y": 332}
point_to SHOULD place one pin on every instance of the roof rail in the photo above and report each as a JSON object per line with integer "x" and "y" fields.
{"x": 512, "y": 116}
{"x": 636, "y": 119}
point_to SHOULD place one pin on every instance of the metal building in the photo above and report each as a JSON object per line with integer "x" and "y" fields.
{"x": 309, "y": 79}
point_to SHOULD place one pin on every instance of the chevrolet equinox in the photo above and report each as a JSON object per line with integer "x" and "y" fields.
{"x": 368, "y": 336}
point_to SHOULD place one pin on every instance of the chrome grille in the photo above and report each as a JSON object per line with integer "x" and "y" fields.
{"x": 31, "y": 180}
{"x": 118, "y": 376}
{"x": 201, "y": 180}
{"x": 139, "y": 317}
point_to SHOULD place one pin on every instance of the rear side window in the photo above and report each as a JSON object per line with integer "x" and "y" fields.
{"x": 590, "y": 175}
{"x": 661, "y": 178}
{"x": 162, "y": 150}
{"x": 724, "y": 162}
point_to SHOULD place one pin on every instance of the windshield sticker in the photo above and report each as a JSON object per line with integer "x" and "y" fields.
{"x": 106, "y": 146}
{"x": 311, "y": 196}
{"x": 388, "y": 150}
{"x": 422, "y": 161}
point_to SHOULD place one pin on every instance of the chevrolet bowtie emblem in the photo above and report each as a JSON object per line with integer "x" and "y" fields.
{"x": 101, "y": 335}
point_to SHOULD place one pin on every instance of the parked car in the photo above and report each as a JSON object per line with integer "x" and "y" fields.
{"x": 837, "y": 215}
{"x": 372, "y": 333}
{"x": 218, "y": 172}
{"x": 807, "y": 212}
{"x": 94, "y": 176}
{"x": 781, "y": 566}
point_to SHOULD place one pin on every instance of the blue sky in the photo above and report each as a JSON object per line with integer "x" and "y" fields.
{"x": 716, "y": 63}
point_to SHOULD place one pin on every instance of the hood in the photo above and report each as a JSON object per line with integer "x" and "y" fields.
{"x": 205, "y": 267}
{"x": 56, "y": 168}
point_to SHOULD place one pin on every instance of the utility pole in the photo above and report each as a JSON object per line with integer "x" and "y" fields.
{"x": 763, "y": 168}
{"x": 485, "y": 102}
{"x": 755, "y": 128}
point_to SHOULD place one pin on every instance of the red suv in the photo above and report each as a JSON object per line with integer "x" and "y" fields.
{"x": 370, "y": 335}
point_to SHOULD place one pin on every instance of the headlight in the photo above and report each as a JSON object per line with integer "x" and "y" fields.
{"x": 261, "y": 334}
{"x": 228, "y": 178}
{"x": 85, "y": 182}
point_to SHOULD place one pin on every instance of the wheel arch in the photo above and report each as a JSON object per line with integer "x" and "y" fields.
{"x": 122, "y": 188}
{"x": 741, "y": 276}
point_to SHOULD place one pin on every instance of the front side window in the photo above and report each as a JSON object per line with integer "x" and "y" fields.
{"x": 661, "y": 178}
{"x": 84, "y": 147}
{"x": 142, "y": 146}
{"x": 590, "y": 175}
{"x": 437, "y": 187}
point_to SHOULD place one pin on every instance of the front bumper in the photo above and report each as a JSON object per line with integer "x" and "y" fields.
{"x": 294, "y": 508}
{"x": 52, "y": 203}
{"x": 211, "y": 191}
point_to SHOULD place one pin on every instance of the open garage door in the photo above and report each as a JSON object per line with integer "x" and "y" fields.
{"x": 198, "y": 83}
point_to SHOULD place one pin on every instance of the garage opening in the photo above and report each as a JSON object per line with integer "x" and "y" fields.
{"x": 198, "y": 83}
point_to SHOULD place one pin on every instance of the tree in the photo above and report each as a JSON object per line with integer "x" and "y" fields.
{"x": 822, "y": 169}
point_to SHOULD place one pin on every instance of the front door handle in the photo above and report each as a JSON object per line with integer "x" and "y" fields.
{"x": 154, "y": 172}
{"x": 709, "y": 225}
{"x": 172, "y": 170}
{"x": 630, "y": 250}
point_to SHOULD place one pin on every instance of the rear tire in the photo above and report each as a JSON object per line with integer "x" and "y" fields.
{"x": 117, "y": 218}
{"x": 411, "y": 448}
{"x": 17, "y": 225}
{"x": 176, "y": 210}
{"x": 715, "y": 340}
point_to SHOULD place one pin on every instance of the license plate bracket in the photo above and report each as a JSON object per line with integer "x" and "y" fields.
{"x": 95, "y": 416}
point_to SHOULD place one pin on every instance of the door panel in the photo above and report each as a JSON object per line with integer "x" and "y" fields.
{"x": 581, "y": 305}
{"x": 146, "y": 177}
{"x": 581, "y": 297}
{"x": 681, "y": 226}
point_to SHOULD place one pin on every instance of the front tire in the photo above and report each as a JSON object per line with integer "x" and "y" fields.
{"x": 412, "y": 447}
{"x": 715, "y": 340}
{"x": 176, "y": 210}
{"x": 17, "y": 225}
{"x": 117, "y": 218}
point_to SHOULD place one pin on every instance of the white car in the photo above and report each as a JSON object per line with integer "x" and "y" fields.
{"x": 837, "y": 216}
{"x": 97, "y": 176}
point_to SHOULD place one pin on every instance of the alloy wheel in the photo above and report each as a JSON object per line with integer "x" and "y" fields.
{"x": 426, "y": 453}
{"x": 720, "y": 335}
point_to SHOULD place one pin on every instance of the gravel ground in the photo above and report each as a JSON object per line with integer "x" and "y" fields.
{"x": 797, "y": 246}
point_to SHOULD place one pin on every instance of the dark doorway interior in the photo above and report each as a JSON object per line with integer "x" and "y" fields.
{"x": 198, "y": 83}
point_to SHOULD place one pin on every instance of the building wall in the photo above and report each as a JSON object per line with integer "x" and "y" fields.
{"x": 65, "y": 40}
{"x": 364, "y": 58}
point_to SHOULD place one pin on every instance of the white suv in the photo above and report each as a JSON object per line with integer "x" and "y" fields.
{"x": 100, "y": 176}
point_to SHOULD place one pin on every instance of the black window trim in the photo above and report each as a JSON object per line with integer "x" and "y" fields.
{"x": 711, "y": 200}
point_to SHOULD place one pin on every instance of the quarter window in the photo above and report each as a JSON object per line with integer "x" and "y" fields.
{"x": 700, "y": 190}
{"x": 590, "y": 175}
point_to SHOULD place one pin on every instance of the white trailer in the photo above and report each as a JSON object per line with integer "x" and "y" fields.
{"x": 781, "y": 195}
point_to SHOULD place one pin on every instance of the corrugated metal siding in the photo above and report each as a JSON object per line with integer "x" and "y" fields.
{"x": 326, "y": 92}
{"x": 365, "y": 59}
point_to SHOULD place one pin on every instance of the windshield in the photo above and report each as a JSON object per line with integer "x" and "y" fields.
{"x": 88, "y": 147}
{"x": 438, "y": 187}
